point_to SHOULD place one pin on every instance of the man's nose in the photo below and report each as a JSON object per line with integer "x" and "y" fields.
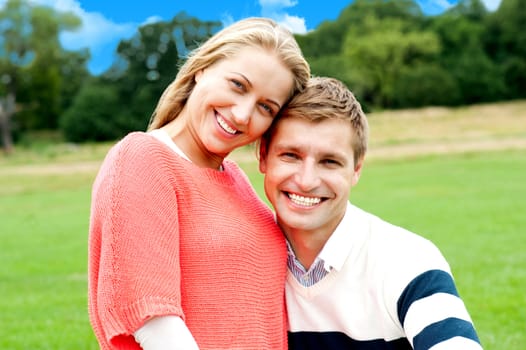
{"x": 307, "y": 177}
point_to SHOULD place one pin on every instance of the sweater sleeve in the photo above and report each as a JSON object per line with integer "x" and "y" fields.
{"x": 135, "y": 238}
{"x": 428, "y": 305}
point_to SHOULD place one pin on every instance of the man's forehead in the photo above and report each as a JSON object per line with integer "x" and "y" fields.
{"x": 329, "y": 136}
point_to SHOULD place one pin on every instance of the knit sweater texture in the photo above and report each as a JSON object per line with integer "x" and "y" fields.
{"x": 170, "y": 238}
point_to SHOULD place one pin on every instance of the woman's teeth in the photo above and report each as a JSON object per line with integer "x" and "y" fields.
{"x": 225, "y": 126}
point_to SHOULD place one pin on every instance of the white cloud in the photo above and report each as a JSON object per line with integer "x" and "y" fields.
{"x": 442, "y": 5}
{"x": 434, "y": 7}
{"x": 227, "y": 19}
{"x": 152, "y": 19}
{"x": 277, "y": 3}
{"x": 492, "y": 5}
{"x": 293, "y": 23}
{"x": 96, "y": 30}
{"x": 276, "y": 9}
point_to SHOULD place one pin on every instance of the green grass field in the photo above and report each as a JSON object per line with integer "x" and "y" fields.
{"x": 471, "y": 204}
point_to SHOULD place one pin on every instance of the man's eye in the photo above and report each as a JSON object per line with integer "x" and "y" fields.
{"x": 331, "y": 162}
{"x": 288, "y": 155}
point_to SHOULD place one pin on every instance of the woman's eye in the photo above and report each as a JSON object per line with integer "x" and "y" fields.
{"x": 267, "y": 109}
{"x": 237, "y": 84}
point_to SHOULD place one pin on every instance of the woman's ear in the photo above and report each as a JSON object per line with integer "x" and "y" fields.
{"x": 198, "y": 75}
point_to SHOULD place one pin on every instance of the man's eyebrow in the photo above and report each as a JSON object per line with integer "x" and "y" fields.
{"x": 284, "y": 146}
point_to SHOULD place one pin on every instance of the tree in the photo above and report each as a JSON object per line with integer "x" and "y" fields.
{"x": 7, "y": 109}
{"x": 426, "y": 84}
{"x": 30, "y": 58}
{"x": 379, "y": 51}
{"x": 473, "y": 10}
{"x": 44, "y": 80}
{"x": 328, "y": 38}
{"x": 334, "y": 48}
{"x": 14, "y": 56}
{"x": 461, "y": 31}
{"x": 505, "y": 43}
{"x": 146, "y": 64}
{"x": 91, "y": 117}
{"x": 74, "y": 73}
{"x": 149, "y": 61}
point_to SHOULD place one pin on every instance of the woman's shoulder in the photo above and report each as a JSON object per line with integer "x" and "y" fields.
{"x": 136, "y": 139}
{"x": 138, "y": 143}
{"x": 135, "y": 150}
{"x": 235, "y": 171}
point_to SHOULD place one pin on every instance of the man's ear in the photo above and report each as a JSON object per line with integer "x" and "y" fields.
{"x": 262, "y": 156}
{"x": 357, "y": 170}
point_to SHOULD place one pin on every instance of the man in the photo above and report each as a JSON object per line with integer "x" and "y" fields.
{"x": 354, "y": 280}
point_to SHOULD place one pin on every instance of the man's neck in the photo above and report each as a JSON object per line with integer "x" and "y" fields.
{"x": 306, "y": 245}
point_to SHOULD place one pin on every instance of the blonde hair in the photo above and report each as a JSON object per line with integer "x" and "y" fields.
{"x": 326, "y": 98}
{"x": 254, "y": 32}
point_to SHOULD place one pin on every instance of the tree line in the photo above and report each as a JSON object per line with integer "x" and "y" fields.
{"x": 388, "y": 52}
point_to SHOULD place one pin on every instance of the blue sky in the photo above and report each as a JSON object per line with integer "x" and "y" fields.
{"x": 106, "y": 22}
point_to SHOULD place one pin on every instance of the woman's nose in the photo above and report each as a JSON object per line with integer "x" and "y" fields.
{"x": 242, "y": 111}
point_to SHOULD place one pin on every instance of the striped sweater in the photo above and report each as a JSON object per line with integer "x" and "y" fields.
{"x": 170, "y": 238}
{"x": 387, "y": 289}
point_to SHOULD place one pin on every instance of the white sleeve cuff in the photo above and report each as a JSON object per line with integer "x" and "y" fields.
{"x": 165, "y": 332}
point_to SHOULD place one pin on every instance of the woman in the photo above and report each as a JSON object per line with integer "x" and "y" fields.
{"x": 182, "y": 252}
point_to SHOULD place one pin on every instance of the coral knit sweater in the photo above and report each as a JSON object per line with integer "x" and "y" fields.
{"x": 170, "y": 238}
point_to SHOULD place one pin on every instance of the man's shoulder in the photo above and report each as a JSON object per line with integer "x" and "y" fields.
{"x": 391, "y": 242}
{"x": 388, "y": 231}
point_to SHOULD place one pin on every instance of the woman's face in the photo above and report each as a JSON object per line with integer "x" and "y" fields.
{"x": 235, "y": 100}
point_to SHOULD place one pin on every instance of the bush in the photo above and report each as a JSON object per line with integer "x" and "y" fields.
{"x": 93, "y": 115}
{"x": 426, "y": 85}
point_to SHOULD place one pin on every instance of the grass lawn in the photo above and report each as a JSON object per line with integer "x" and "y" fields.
{"x": 44, "y": 221}
{"x": 470, "y": 204}
{"x": 473, "y": 208}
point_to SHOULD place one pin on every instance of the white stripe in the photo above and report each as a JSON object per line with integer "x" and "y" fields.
{"x": 434, "y": 308}
{"x": 457, "y": 343}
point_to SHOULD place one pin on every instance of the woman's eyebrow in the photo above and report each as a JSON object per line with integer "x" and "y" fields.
{"x": 269, "y": 100}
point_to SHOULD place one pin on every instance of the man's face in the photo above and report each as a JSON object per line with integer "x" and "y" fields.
{"x": 309, "y": 171}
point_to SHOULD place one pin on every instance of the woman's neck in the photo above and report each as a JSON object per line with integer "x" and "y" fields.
{"x": 190, "y": 144}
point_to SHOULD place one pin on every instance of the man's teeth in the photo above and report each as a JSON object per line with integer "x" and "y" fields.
{"x": 225, "y": 126}
{"x": 304, "y": 201}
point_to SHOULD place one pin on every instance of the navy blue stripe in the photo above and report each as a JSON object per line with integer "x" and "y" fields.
{"x": 339, "y": 341}
{"x": 443, "y": 330}
{"x": 424, "y": 285}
